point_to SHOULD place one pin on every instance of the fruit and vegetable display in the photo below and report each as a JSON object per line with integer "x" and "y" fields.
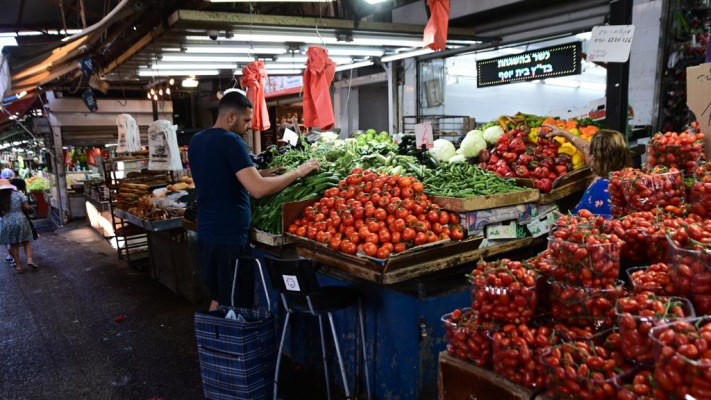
{"x": 466, "y": 180}
{"x": 517, "y": 156}
{"x": 376, "y": 215}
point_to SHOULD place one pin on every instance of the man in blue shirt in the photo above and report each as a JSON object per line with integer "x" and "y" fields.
{"x": 224, "y": 179}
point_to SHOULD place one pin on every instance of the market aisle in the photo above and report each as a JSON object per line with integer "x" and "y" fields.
{"x": 59, "y": 338}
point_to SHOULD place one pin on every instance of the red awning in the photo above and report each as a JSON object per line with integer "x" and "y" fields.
{"x": 254, "y": 78}
{"x": 320, "y": 70}
{"x": 18, "y": 107}
{"x": 435, "y": 36}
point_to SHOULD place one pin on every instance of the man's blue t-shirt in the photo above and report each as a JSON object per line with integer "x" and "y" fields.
{"x": 216, "y": 155}
{"x": 596, "y": 198}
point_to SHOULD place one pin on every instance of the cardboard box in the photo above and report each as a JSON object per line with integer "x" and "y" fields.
{"x": 475, "y": 221}
{"x": 538, "y": 211}
{"x": 505, "y": 230}
{"x": 542, "y": 225}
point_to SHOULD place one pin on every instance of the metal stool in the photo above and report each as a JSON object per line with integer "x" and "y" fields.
{"x": 296, "y": 282}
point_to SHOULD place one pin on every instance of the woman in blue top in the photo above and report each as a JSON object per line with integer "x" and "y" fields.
{"x": 605, "y": 153}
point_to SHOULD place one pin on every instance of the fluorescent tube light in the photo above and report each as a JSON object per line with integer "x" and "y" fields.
{"x": 7, "y": 41}
{"x": 346, "y": 67}
{"x": 384, "y": 41}
{"x": 169, "y": 66}
{"x": 354, "y": 52}
{"x": 235, "y": 50}
{"x": 285, "y": 72}
{"x": 215, "y": 59}
{"x": 268, "y": 38}
{"x": 407, "y": 54}
{"x": 563, "y": 82}
{"x": 276, "y": 72}
{"x": 172, "y": 49}
{"x": 286, "y": 59}
{"x": 375, "y": 1}
{"x": 176, "y": 73}
{"x": 584, "y": 36}
{"x": 270, "y": 67}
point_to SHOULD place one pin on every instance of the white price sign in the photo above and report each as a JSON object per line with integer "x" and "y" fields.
{"x": 423, "y": 135}
{"x": 611, "y": 43}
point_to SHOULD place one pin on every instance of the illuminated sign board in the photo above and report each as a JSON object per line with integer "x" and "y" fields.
{"x": 537, "y": 64}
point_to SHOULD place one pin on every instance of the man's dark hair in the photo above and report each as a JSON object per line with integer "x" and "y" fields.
{"x": 234, "y": 101}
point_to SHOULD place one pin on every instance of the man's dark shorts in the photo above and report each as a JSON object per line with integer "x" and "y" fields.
{"x": 217, "y": 266}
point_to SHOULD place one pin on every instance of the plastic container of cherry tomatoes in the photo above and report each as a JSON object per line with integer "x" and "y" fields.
{"x": 634, "y": 329}
{"x": 585, "y": 306}
{"x": 468, "y": 340}
{"x": 591, "y": 265}
{"x": 683, "y": 371}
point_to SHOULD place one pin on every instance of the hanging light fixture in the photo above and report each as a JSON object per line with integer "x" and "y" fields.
{"x": 171, "y": 82}
{"x": 153, "y": 91}
{"x": 149, "y": 96}
{"x": 155, "y": 97}
{"x": 167, "y": 90}
{"x": 160, "y": 91}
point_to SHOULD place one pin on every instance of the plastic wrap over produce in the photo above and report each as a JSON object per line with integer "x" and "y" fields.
{"x": 129, "y": 138}
{"x": 163, "y": 147}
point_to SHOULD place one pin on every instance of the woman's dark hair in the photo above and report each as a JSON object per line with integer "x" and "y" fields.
{"x": 5, "y": 201}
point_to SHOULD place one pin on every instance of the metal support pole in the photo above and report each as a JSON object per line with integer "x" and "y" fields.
{"x": 389, "y": 68}
{"x": 618, "y": 74}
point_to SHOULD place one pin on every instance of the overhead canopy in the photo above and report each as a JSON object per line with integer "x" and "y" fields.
{"x": 201, "y": 43}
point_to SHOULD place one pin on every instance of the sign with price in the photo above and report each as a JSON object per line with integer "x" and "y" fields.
{"x": 611, "y": 43}
{"x": 698, "y": 98}
{"x": 423, "y": 135}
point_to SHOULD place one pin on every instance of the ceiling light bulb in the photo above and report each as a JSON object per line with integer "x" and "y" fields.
{"x": 153, "y": 91}
{"x": 149, "y": 96}
{"x": 155, "y": 97}
{"x": 167, "y": 90}
{"x": 160, "y": 92}
{"x": 171, "y": 81}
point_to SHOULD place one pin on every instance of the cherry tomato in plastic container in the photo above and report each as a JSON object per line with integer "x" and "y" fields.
{"x": 654, "y": 278}
{"x": 638, "y": 314}
{"x": 585, "y": 306}
{"x": 675, "y": 150}
{"x": 639, "y": 385}
{"x": 691, "y": 272}
{"x": 504, "y": 291}
{"x": 682, "y": 359}
{"x": 584, "y": 369}
{"x": 595, "y": 263}
{"x": 516, "y": 352}
{"x": 467, "y": 337}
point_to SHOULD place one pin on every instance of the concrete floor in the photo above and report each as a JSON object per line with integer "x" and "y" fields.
{"x": 60, "y": 337}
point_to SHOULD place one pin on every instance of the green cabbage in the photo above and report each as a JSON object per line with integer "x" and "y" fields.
{"x": 472, "y": 145}
{"x": 492, "y": 134}
{"x": 443, "y": 150}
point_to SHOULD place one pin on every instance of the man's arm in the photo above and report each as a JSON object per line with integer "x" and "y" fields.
{"x": 259, "y": 186}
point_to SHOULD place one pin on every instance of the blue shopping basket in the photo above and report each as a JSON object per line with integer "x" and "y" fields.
{"x": 237, "y": 358}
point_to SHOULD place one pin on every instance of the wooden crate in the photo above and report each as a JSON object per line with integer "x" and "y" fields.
{"x": 486, "y": 202}
{"x": 567, "y": 185}
{"x": 460, "y": 380}
{"x": 411, "y": 265}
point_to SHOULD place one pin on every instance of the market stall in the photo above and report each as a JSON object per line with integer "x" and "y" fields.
{"x": 608, "y": 310}
{"x": 404, "y": 225}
